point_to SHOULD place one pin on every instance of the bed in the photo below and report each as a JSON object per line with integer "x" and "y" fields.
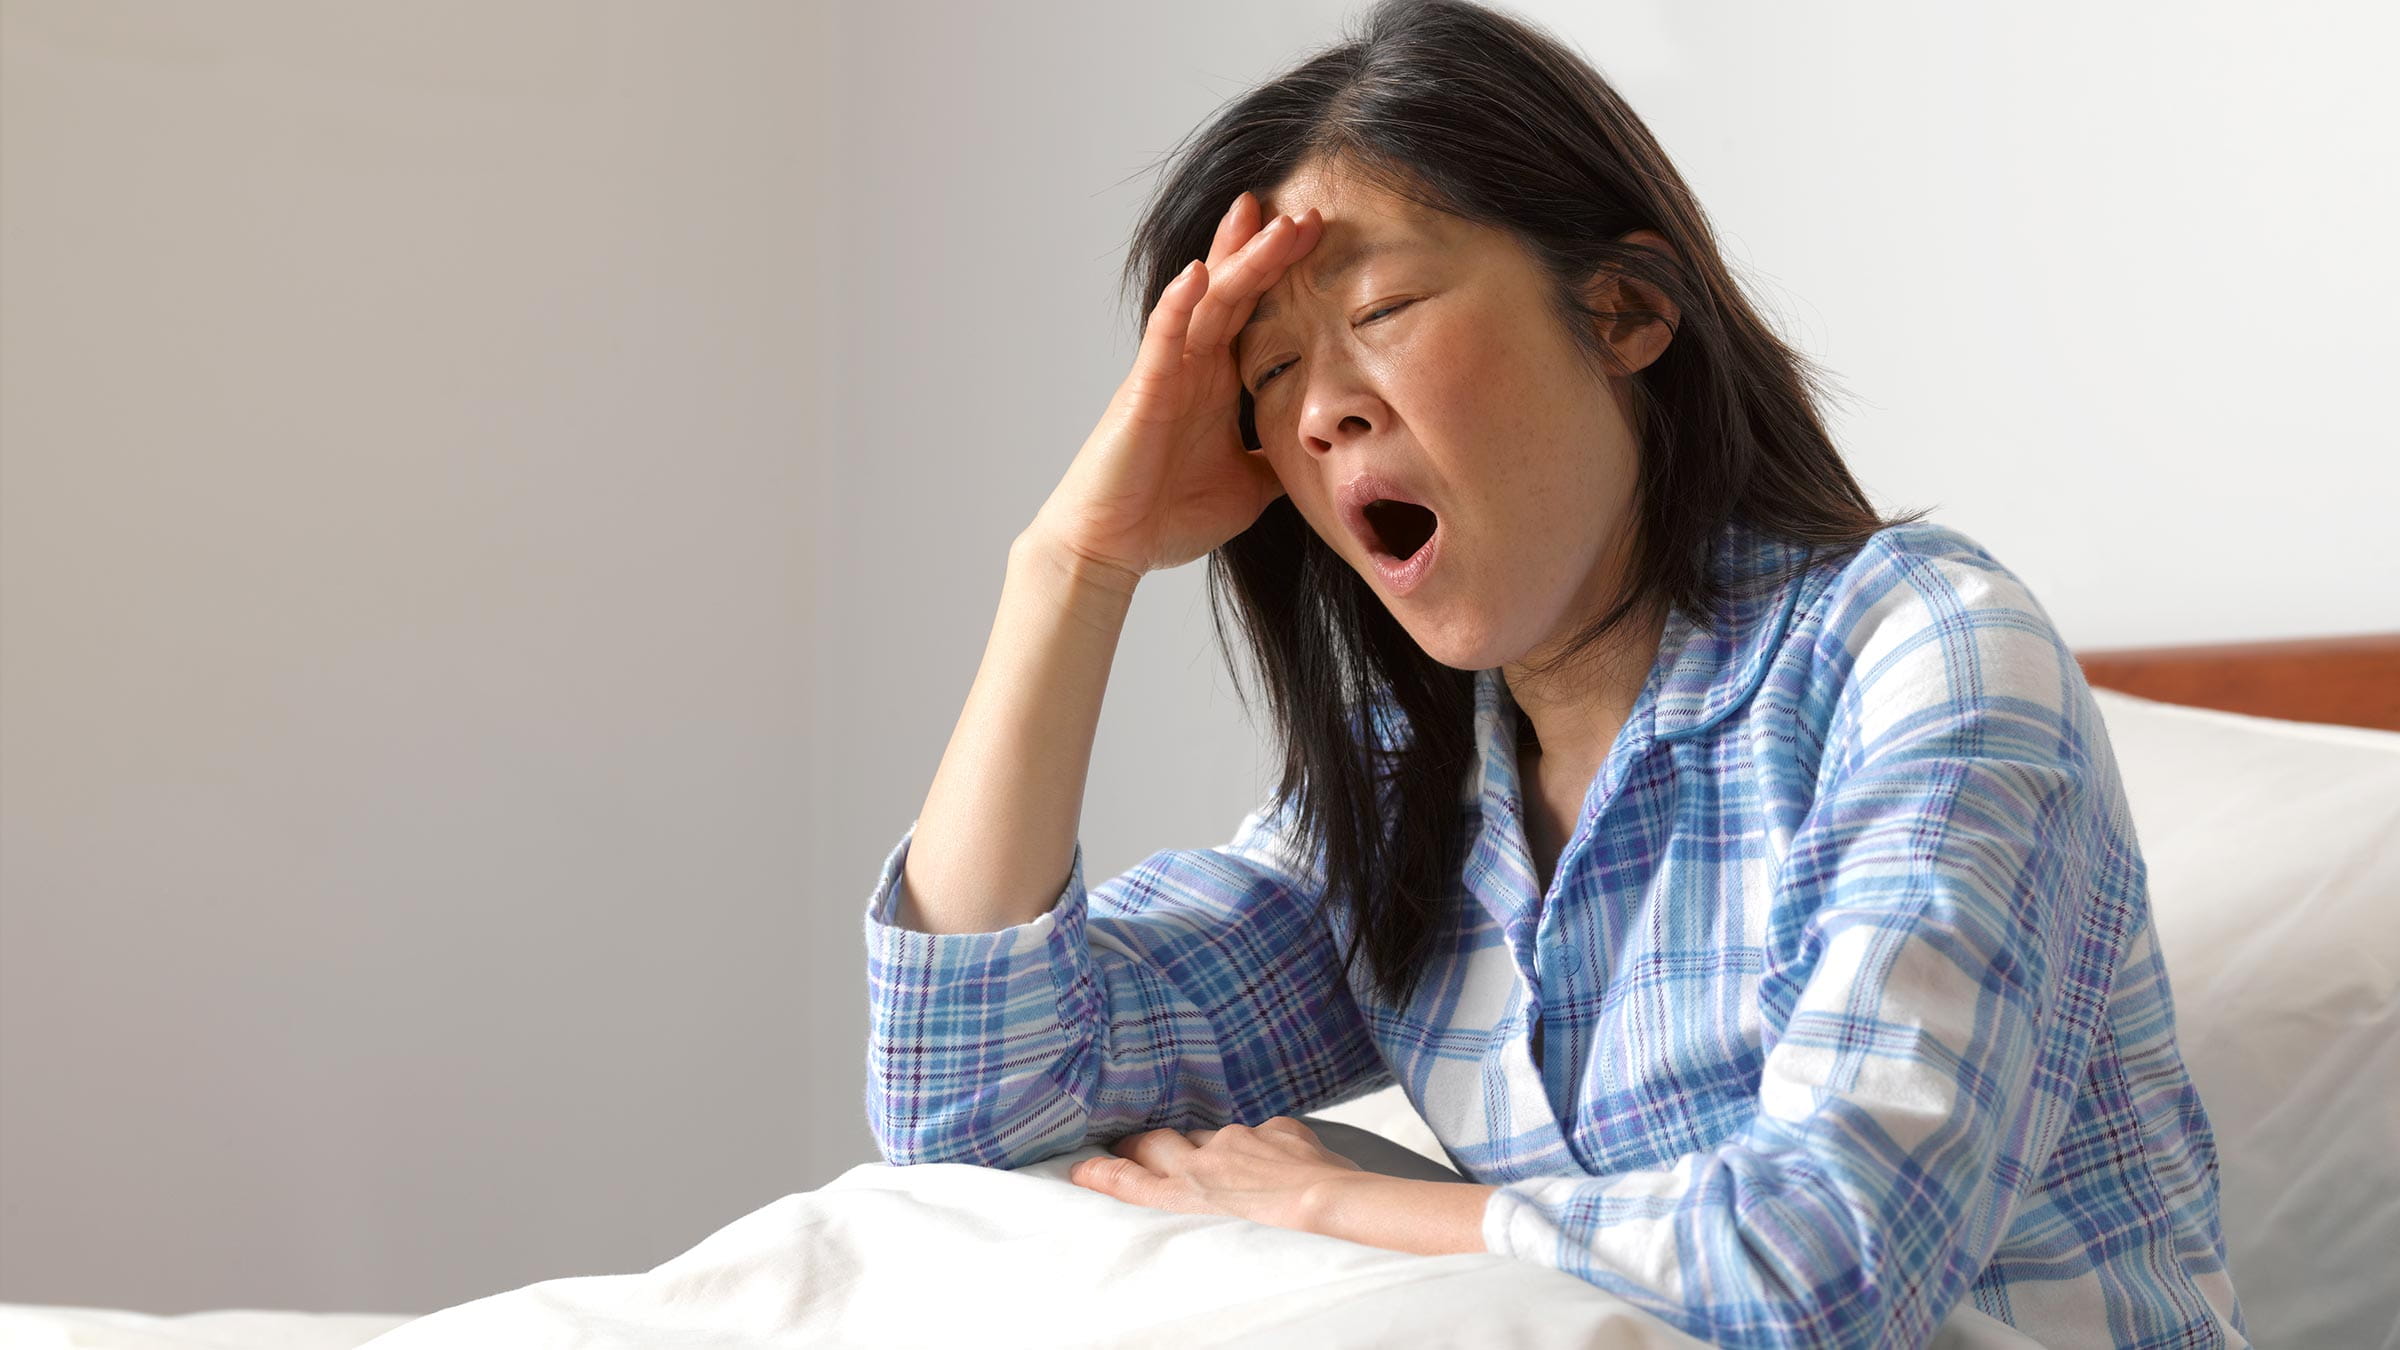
{"x": 2265, "y": 785}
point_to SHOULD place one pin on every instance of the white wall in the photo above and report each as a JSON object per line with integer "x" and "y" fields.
{"x": 500, "y": 504}
{"x": 2112, "y": 285}
{"x": 408, "y": 636}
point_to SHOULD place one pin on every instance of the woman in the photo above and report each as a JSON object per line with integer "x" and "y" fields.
{"x": 1747, "y": 893}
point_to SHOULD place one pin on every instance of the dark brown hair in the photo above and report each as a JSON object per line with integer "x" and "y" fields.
{"x": 1479, "y": 114}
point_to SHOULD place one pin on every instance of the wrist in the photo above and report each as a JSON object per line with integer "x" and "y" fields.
{"x": 1063, "y": 582}
{"x": 1081, "y": 571}
{"x": 1429, "y": 1218}
{"x": 1324, "y": 1204}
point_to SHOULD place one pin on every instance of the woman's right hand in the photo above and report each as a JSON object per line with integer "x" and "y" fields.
{"x": 1165, "y": 477}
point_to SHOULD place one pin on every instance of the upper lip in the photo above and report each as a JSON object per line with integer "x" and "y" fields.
{"x": 1367, "y": 487}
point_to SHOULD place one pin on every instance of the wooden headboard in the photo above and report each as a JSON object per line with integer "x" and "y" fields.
{"x": 2354, "y": 681}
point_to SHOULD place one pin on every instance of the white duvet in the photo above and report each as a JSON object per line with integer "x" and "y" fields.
{"x": 949, "y": 1255}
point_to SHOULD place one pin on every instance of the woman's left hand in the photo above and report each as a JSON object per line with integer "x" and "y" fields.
{"x": 1265, "y": 1173}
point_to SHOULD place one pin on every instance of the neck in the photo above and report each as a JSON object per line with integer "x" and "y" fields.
{"x": 1573, "y": 714}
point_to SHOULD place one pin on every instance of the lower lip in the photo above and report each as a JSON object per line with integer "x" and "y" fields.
{"x": 1400, "y": 577}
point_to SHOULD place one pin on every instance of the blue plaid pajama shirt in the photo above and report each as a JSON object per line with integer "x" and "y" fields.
{"x": 1850, "y": 999}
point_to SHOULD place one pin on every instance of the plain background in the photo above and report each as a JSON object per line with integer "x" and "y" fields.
{"x": 504, "y": 499}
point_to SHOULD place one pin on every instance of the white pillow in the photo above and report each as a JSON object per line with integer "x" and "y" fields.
{"x": 2274, "y": 857}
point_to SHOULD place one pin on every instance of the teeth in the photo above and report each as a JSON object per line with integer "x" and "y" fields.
{"x": 1401, "y": 528}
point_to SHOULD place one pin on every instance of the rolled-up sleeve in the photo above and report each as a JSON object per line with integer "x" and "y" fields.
{"x": 1947, "y": 926}
{"x": 1198, "y": 988}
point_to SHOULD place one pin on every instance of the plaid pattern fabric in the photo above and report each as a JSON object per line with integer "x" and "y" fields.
{"x": 1850, "y": 1000}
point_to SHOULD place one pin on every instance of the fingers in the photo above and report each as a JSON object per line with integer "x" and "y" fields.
{"x": 1209, "y": 301}
{"x": 1238, "y": 224}
{"x": 1170, "y": 319}
{"x": 1109, "y": 1175}
{"x": 1156, "y": 1150}
{"x": 1236, "y": 283}
{"x": 1161, "y": 351}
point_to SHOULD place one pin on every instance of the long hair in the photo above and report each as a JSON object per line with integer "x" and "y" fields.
{"x": 1482, "y": 115}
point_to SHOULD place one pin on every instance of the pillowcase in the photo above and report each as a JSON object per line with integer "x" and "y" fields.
{"x": 2274, "y": 856}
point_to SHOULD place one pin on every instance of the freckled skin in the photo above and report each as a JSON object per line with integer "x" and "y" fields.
{"x": 1475, "y": 391}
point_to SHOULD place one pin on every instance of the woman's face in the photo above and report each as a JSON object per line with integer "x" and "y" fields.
{"x": 1437, "y": 362}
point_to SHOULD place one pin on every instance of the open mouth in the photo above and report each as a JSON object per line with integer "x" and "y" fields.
{"x": 1404, "y": 538}
{"x": 1400, "y": 528}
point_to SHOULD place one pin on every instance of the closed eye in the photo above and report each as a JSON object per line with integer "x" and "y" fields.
{"x": 1387, "y": 309}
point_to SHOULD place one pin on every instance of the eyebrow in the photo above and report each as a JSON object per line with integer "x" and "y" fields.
{"x": 1330, "y": 269}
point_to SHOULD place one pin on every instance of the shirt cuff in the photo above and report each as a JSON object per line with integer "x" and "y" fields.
{"x": 893, "y": 944}
{"x": 967, "y": 1031}
{"x": 1497, "y": 1207}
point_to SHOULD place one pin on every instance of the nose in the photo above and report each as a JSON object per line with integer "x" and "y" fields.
{"x": 1339, "y": 411}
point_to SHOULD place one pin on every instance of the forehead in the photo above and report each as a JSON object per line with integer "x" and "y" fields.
{"x": 1359, "y": 217}
{"x": 1338, "y": 193}
{"x": 1361, "y": 221}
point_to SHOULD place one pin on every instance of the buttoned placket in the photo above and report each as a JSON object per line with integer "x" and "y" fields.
{"x": 1555, "y": 951}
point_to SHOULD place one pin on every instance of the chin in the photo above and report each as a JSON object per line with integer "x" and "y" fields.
{"x": 1468, "y": 644}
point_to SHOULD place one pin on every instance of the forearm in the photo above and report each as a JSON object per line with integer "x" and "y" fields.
{"x": 997, "y": 832}
{"x": 1430, "y": 1218}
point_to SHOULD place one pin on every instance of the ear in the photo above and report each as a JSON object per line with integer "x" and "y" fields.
{"x": 1637, "y": 340}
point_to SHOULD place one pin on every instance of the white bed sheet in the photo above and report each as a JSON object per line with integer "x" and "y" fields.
{"x": 39, "y": 1326}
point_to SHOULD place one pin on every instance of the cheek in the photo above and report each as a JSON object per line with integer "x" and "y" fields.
{"x": 1480, "y": 407}
{"x": 1527, "y": 438}
{"x": 1474, "y": 378}
{"x": 1308, "y": 495}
